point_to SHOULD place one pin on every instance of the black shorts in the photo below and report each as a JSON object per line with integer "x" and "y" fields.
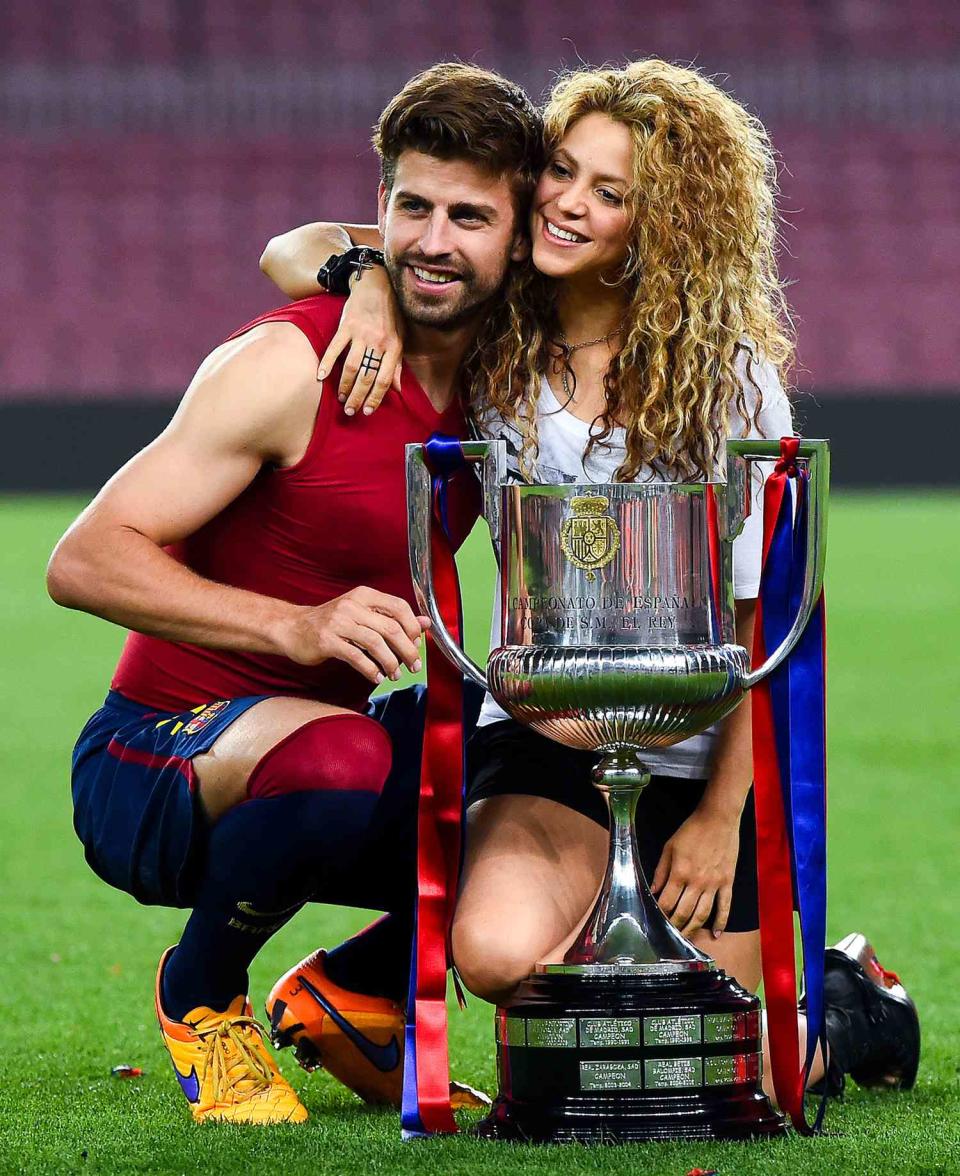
{"x": 508, "y": 759}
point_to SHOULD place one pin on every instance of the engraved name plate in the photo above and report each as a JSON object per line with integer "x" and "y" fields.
{"x": 718, "y": 1027}
{"x": 664, "y": 1072}
{"x": 611, "y": 1076}
{"x": 552, "y": 1032}
{"x": 511, "y": 1031}
{"x": 731, "y": 1070}
{"x": 596, "y": 1032}
{"x": 719, "y": 1071}
{"x": 750, "y": 1026}
{"x": 671, "y": 1030}
{"x": 731, "y": 1026}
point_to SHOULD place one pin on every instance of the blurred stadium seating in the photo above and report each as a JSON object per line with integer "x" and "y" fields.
{"x": 149, "y": 149}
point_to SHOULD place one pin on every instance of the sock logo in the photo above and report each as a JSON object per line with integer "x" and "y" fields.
{"x": 384, "y": 1057}
{"x": 247, "y": 908}
{"x": 279, "y": 918}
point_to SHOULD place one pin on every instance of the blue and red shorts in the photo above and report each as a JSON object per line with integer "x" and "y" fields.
{"x": 135, "y": 806}
{"x": 137, "y": 814}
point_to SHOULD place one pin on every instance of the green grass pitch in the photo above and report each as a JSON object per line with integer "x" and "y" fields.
{"x": 77, "y": 959}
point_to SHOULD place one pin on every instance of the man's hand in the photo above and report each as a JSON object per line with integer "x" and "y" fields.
{"x": 369, "y": 630}
{"x": 696, "y": 869}
{"x": 369, "y": 326}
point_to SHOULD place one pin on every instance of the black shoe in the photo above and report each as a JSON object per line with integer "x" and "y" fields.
{"x": 873, "y": 1031}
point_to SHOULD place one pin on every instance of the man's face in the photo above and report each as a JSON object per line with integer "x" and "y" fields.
{"x": 449, "y": 233}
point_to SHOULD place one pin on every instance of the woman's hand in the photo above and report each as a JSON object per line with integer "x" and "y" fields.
{"x": 696, "y": 869}
{"x": 369, "y": 327}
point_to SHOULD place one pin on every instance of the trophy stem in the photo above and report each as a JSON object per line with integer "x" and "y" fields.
{"x": 626, "y": 926}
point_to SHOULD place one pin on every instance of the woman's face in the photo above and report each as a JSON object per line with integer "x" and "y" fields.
{"x": 580, "y": 217}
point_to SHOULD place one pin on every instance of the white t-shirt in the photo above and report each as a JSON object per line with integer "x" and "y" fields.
{"x": 563, "y": 439}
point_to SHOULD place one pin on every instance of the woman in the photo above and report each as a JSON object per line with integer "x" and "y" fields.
{"x": 650, "y": 325}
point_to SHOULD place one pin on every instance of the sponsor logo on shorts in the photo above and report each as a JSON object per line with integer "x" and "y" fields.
{"x": 206, "y": 716}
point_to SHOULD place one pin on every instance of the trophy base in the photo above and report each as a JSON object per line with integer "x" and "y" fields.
{"x": 588, "y": 1059}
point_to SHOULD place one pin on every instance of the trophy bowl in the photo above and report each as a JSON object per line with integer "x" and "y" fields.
{"x": 617, "y": 635}
{"x": 618, "y": 696}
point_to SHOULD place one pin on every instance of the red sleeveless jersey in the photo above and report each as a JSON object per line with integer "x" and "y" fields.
{"x": 306, "y": 533}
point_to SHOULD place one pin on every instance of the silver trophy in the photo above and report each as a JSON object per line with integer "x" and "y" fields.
{"x": 617, "y": 620}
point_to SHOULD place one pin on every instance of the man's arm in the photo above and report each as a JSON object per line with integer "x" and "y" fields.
{"x": 292, "y": 259}
{"x": 111, "y": 561}
{"x": 252, "y": 401}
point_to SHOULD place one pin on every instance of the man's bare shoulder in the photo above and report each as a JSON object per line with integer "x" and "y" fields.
{"x": 260, "y": 387}
{"x": 278, "y": 349}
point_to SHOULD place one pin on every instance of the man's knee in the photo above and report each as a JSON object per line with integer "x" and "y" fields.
{"x": 490, "y": 963}
{"x": 337, "y": 753}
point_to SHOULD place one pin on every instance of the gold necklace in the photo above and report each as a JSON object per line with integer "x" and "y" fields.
{"x": 569, "y": 348}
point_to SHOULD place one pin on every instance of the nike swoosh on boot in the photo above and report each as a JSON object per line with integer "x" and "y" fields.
{"x": 189, "y": 1083}
{"x": 383, "y": 1057}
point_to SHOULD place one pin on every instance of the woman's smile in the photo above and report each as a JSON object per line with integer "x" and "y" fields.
{"x": 556, "y": 234}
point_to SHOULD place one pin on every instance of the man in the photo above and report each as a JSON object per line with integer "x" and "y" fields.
{"x": 257, "y": 551}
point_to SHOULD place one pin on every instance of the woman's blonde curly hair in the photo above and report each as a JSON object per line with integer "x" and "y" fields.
{"x": 701, "y": 273}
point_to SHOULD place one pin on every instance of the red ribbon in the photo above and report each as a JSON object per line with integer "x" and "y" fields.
{"x": 713, "y": 549}
{"x": 774, "y": 876}
{"x": 438, "y": 849}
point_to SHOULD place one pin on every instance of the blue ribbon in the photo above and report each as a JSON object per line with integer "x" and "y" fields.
{"x": 411, "y": 1126}
{"x": 797, "y": 691}
{"x": 444, "y": 456}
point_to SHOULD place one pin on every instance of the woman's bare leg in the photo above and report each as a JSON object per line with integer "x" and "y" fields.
{"x": 532, "y": 868}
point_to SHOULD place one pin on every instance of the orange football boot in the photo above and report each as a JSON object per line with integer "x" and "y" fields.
{"x": 223, "y": 1067}
{"x": 356, "y": 1038}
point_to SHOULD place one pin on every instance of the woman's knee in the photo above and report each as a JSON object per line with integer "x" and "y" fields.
{"x": 490, "y": 962}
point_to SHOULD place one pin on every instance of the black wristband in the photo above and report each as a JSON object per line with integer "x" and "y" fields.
{"x": 335, "y": 274}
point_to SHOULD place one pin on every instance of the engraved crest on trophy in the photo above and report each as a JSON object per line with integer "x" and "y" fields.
{"x": 589, "y": 536}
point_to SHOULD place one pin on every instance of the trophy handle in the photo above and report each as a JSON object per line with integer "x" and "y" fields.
{"x": 740, "y": 456}
{"x": 492, "y": 456}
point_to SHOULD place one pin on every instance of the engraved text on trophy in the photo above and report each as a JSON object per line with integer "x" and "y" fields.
{"x": 604, "y": 612}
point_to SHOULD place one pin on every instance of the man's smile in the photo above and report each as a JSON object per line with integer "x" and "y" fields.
{"x": 432, "y": 279}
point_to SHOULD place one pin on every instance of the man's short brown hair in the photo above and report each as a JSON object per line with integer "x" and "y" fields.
{"x": 457, "y": 111}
